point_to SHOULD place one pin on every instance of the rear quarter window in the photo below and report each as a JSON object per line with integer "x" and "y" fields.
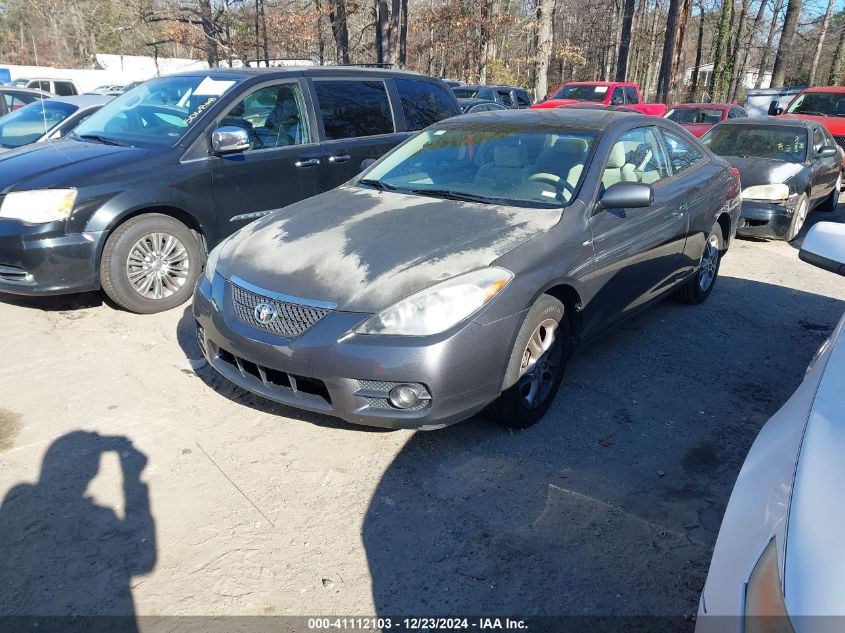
{"x": 65, "y": 89}
{"x": 351, "y": 108}
{"x": 424, "y": 103}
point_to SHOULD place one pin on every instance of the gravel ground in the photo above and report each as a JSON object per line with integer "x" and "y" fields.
{"x": 610, "y": 506}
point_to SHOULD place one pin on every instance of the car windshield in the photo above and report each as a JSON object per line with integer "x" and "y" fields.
{"x": 819, "y": 104}
{"x": 776, "y": 142}
{"x": 465, "y": 93}
{"x": 155, "y": 113}
{"x": 707, "y": 116}
{"x": 581, "y": 93}
{"x": 33, "y": 121}
{"x": 488, "y": 162}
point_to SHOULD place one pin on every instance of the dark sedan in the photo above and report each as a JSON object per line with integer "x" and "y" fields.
{"x": 458, "y": 271}
{"x": 511, "y": 97}
{"x": 788, "y": 167}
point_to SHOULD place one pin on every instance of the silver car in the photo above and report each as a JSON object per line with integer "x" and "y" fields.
{"x": 779, "y": 560}
{"x": 461, "y": 269}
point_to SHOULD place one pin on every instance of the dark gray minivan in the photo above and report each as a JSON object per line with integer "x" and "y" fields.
{"x": 136, "y": 196}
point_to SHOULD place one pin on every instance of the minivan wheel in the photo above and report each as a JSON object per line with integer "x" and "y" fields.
{"x": 699, "y": 287}
{"x": 150, "y": 264}
{"x": 832, "y": 202}
{"x": 535, "y": 367}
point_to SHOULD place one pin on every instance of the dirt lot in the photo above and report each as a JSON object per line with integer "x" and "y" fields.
{"x": 610, "y": 506}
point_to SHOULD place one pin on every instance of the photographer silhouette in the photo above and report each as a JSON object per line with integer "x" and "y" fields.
{"x": 61, "y": 554}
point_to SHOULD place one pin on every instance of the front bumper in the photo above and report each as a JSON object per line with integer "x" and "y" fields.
{"x": 329, "y": 371}
{"x": 43, "y": 259}
{"x": 763, "y": 219}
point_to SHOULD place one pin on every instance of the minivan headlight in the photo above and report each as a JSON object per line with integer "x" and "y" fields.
{"x": 771, "y": 193}
{"x": 765, "y": 607}
{"x": 440, "y": 306}
{"x": 39, "y": 205}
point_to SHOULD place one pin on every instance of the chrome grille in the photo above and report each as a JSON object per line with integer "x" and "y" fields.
{"x": 291, "y": 320}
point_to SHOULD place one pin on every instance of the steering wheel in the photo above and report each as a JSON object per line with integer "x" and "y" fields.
{"x": 559, "y": 183}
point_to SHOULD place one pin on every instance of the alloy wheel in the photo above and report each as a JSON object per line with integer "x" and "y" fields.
{"x": 541, "y": 361}
{"x": 800, "y": 215}
{"x": 709, "y": 263}
{"x": 158, "y": 265}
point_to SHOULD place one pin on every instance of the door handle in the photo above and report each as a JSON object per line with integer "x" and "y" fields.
{"x": 339, "y": 158}
{"x": 310, "y": 162}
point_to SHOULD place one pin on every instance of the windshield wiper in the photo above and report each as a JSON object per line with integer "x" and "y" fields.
{"x": 448, "y": 194}
{"x": 378, "y": 184}
{"x": 100, "y": 138}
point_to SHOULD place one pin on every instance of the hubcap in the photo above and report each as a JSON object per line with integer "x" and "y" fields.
{"x": 157, "y": 266}
{"x": 709, "y": 262}
{"x": 540, "y": 364}
{"x": 800, "y": 215}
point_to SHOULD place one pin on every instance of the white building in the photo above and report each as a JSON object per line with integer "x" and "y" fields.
{"x": 705, "y": 72}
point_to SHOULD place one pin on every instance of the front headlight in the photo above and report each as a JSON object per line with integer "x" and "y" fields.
{"x": 770, "y": 193}
{"x": 38, "y": 206}
{"x": 439, "y": 307}
{"x": 211, "y": 262}
{"x": 765, "y": 608}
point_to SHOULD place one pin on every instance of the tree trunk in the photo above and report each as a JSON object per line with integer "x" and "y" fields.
{"x": 321, "y": 43}
{"x": 380, "y": 14}
{"x": 825, "y": 24}
{"x": 736, "y": 50}
{"x": 743, "y": 67}
{"x": 767, "y": 47}
{"x": 678, "y": 55}
{"x": 484, "y": 39}
{"x": 340, "y": 30}
{"x": 543, "y": 53}
{"x": 835, "y": 77}
{"x": 722, "y": 36}
{"x": 625, "y": 40}
{"x": 664, "y": 77}
{"x": 403, "y": 33}
{"x": 787, "y": 39}
{"x": 698, "y": 47}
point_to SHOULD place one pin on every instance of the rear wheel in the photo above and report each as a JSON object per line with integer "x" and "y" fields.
{"x": 832, "y": 201}
{"x": 701, "y": 285}
{"x": 802, "y": 210}
{"x": 150, "y": 264}
{"x": 536, "y": 365}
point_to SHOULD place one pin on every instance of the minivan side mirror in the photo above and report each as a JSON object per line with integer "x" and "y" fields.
{"x": 229, "y": 139}
{"x": 824, "y": 246}
{"x": 827, "y": 151}
{"x": 775, "y": 109}
{"x": 627, "y": 195}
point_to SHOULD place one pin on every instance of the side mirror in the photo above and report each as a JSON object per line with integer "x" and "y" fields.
{"x": 229, "y": 140}
{"x": 365, "y": 164}
{"x": 827, "y": 151}
{"x": 824, "y": 246}
{"x": 775, "y": 109}
{"x": 627, "y": 195}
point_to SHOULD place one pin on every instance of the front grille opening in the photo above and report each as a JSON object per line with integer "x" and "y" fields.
{"x": 314, "y": 387}
{"x": 250, "y": 368}
{"x": 290, "y": 319}
{"x": 226, "y": 357}
{"x": 277, "y": 378}
{"x": 757, "y": 222}
{"x": 13, "y": 273}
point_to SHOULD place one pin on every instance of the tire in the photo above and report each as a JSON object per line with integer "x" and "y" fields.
{"x": 514, "y": 408}
{"x": 697, "y": 289}
{"x": 802, "y": 210}
{"x": 160, "y": 255}
{"x": 832, "y": 201}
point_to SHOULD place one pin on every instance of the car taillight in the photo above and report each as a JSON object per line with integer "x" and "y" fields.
{"x": 737, "y": 179}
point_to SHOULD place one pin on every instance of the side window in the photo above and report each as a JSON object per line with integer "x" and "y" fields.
{"x": 631, "y": 95}
{"x": 423, "y": 103}
{"x": 40, "y": 85}
{"x": 682, "y": 154}
{"x": 637, "y": 156}
{"x": 504, "y": 97}
{"x": 273, "y": 116}
{"x": 522, "y": 99}
{"x": 354, "y": 108}
{"x": 64, "y": 89}
{"x": 616, "y": 97}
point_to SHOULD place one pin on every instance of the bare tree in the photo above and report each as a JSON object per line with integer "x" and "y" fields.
{"x": 625, "y": 40}
{"x": 787, "y": 40}
{"x": 820, "y": 43}
{"x": 340, "y": 30}
{"x": 545, "y": 9}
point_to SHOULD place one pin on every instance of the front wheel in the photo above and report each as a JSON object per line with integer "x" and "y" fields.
{"x": 832, "y": 202}
{"x": 701, "y": 285}
{"x": 802, "y": 210}
{"x": 536, "y": 365}
{"x": 150, "y": 264}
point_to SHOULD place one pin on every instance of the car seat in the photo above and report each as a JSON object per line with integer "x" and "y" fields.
{"x": 506, "y": 168}
{"x": 618, "y": 169}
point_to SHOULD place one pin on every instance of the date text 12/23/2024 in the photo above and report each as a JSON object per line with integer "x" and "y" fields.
{"x": 416, "y": 624}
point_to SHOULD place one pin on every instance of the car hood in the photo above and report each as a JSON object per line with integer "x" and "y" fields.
{"x": 364, "y": 249}
{"x": 762, "y": 171}
{"x": 60, "y": 164}
{"x": 814, "y": 569}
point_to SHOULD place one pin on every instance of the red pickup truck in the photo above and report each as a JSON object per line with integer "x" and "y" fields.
{"x": 822, "y": 105}
{"x": 609, "y": 93}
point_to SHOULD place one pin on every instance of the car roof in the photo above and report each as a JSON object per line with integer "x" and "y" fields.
{"x": 836, "y": 89}
{"x": 595, "y": 120}
{"x": 21, "y": 89}
{"x": 83, "y": 101}
{"x": 491, "y": 86}
{"x": 769, "y": 122}
{"x": 721, "y": 106}
{"x": 241, "y": 74}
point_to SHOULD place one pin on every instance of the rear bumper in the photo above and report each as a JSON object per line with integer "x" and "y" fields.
{"x": 43, "y": 259}
{"x": 330, "y": 371}
{"x": 761, "y": 219}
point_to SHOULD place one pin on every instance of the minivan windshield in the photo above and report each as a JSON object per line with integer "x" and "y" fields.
{"x": 156, "y": 113}
{"x": 30, "y": 123}
{"x": 776, "y": 142}
{"x": 488, "y": 162}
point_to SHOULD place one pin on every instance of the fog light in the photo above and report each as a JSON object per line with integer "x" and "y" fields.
{"x": 407, "y": 396}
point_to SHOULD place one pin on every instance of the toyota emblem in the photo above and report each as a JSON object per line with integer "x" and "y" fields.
{"x": 264, "y": 313}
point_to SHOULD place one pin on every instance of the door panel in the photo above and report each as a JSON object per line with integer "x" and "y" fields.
{"x": 282, "y": 165}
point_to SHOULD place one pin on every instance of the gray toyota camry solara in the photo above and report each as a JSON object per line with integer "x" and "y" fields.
{"x": 459, "y": 271}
